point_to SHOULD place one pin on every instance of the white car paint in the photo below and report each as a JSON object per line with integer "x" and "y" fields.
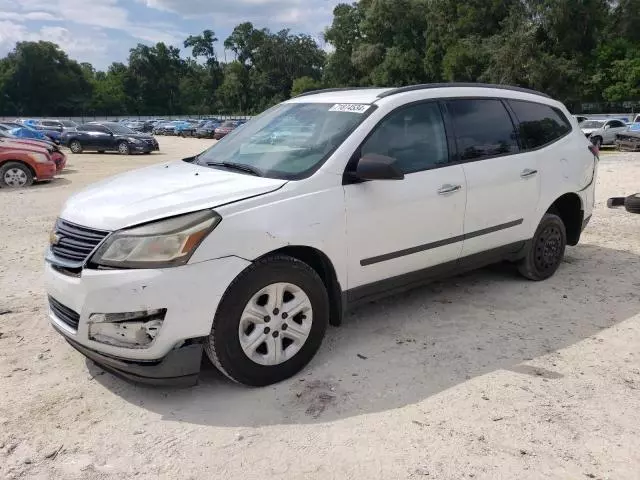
{"x": 159, "y": 191}
{"x": 347, "y": 223}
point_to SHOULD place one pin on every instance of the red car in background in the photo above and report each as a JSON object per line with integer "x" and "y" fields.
{"x": 21, "y": 164}
{"x": 57, "y": 155}
{"x": 225, "y": 129}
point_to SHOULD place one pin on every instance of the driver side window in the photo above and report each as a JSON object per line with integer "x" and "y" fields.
{"x": 414, "y": 136}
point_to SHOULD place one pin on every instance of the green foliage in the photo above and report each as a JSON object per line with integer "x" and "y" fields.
{"x": 575, "y": 50}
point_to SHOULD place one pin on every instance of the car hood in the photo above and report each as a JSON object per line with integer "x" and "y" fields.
{"x": 31, "y": 142}
{"x": 20, "y": 145}
{"x": 161, "y": 191}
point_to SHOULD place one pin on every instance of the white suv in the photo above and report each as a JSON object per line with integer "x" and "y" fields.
{"x": 250, "y": 249}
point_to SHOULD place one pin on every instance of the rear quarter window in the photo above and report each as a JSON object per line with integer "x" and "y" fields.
{"x": 539, "y": 124}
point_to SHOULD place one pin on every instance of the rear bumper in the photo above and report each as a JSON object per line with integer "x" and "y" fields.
{"x": 180, "y": 367}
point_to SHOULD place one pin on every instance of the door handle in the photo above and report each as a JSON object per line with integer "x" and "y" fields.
{"x": 448, "y": 188}
{"x": 527, "y": 172}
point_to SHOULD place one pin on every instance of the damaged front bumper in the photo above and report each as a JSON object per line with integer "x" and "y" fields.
{"x": 180, "y": 367}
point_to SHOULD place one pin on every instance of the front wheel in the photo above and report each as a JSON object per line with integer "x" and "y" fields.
{"x": 546, "y": 251}
{"x": 15, "y": 175}
{"x": 270, "y": 322}
{"x": 123, "y": 148}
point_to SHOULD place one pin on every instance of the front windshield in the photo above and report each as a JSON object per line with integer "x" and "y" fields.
{"x": 288, "y": 141}
{"x": 119, "y": 129}
{"x": 591, "y": 124}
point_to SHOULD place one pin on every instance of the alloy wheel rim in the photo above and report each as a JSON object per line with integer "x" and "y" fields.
{"x": 75, "y": 147}
{"x": 123, "y": 148}
{"x": 275, "y": 324}
{"x": 548, "y": 248}
{"x": 15, "y": 177}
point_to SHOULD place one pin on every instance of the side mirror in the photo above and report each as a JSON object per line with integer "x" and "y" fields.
{"x": 378, "y": 167}
{"x": 607, "y": 127}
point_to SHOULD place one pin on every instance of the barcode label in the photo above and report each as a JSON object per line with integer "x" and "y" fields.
{"x": 350, "y": 107}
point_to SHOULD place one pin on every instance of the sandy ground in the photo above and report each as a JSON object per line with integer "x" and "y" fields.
{"x": 484, "y": 376}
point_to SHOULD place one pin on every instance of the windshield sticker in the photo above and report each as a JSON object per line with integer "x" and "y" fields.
{"x": 350, "y": 107}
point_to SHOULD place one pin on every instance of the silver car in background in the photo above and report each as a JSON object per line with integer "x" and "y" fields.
{"x": 602, "y": 132}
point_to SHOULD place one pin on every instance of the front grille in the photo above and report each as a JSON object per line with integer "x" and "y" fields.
{"x": 74, "y": 242}
{"x": 64, "y": 314}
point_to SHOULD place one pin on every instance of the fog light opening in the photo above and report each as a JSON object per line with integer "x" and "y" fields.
{"x": 126, "y": 329}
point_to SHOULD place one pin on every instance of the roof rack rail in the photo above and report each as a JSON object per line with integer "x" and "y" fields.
{"x": 426, "y": 86}
{"x": 341, "y": 89}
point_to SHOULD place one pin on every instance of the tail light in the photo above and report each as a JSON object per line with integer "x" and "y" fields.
{"x": 595, "y": 150}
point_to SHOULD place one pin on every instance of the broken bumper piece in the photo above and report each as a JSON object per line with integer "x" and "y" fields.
{"x": 180, "y": 367}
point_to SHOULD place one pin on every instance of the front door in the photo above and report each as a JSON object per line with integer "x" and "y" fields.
{"x": 395, "y": 227}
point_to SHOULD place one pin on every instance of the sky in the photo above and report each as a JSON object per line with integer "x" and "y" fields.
{"x": 103, "y": 31}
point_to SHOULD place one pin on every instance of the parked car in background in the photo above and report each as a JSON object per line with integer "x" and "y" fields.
{"x": 629, "y": 139}
{"x": 602, "y": 132}
{"x": 164, "y": 128}
{"x": 108, "y": 136}
{"x": 21, "y": 164}
{"x": 185, "y": 128}
{"x": 207, "y": 130}
{"x": 23, "y": 131}
{"x": 58, "y": 157}
{"x": 250, "y": 250}
{"x": 225, "y": 129}
{"x": 580, "y": 118}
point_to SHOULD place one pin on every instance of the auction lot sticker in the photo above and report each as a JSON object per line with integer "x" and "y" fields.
{"x": 350, "y": 107}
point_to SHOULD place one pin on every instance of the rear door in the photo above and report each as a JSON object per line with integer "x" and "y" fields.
{"x": 503, "y": 186}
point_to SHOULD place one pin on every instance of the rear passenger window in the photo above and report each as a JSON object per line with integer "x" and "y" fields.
{"x": 414, "y": 136}
{"x": 483, "y": 128}
{"x": 539, "y": 124}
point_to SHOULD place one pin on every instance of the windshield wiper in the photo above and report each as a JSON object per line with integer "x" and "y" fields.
{"x": 236, "y": 166}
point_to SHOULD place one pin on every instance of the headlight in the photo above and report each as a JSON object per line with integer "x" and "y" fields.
{"x": 165, "y": 243}
{"x": 41, "y": 158}
{"x": 133, "y": 140}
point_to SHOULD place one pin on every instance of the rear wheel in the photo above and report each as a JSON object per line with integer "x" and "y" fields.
{"x": 75, "y": 146}
{"x": 270, "y": 322}
{"x": 546, "y": 250}
{"x": 15, "y": 175}
{"x": 123, "y": 148}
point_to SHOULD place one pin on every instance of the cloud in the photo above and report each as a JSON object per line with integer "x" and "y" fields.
{"x": 97, "y": 13}
{"x": 21, "y": 17}
{"x": 310, "y": 16}
{"x": 11, "y": 32}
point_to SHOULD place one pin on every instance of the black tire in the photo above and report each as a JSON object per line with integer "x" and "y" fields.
{"x": 9, "y": 179}
{"x": 123, "y": 148}
{"x": 597, "y": 141}
{"x": 223, "y": 344}
{"x": 632, "y": 203}
{"x": 546, "y": 250}
{"x": 75, "y": 146}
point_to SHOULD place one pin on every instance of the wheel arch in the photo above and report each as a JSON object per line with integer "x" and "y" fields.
{"x": 17, "y": 160}
{"x": 569, "y": 208}
{"x": 323, "y": 266}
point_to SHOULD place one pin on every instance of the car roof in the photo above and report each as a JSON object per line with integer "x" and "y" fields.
{"x": 371, "y": 95}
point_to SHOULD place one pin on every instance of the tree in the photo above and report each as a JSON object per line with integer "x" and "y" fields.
{"x": 39, "y": 78}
